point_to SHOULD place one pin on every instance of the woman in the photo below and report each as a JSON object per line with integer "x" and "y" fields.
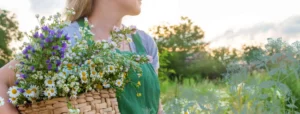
{"x": 104, "y": 15}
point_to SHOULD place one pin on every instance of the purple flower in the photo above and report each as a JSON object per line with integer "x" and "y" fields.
{"x": 58, "y": 62}
{"x": 32, "y": 68}
{"x": 62, "y": 56}
{"x": 45, "y": 28}
{"x": 26, "y": 56}
{"x": 48, "y": 61}
{"x": 49, "y": 66}
{"x": 67, "y": 37}
{"x": 17, "y": 82}
{"x": 51, "y": 32}
{"x": 23, "y": 76}
{"x": 48, "y": 40}
{"x": 42, "y": 36}
{"x": 36, "y": 35}
{"x": 22, "y": 63}
{"x": 56, "y": 69}
{"x": 25, "y": 51}
{"x": 59, "y": 33}
{"x": 21, "y": 90}
{"x": 64, "y": 45}
{"x": 53, "y": 53}
{"x": 55, "y": 47}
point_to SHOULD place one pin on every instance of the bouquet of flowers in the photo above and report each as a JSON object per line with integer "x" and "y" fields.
{"x": 50, "y": 67}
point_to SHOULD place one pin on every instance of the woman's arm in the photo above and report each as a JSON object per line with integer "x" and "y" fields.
{"x": 7, "y": 78}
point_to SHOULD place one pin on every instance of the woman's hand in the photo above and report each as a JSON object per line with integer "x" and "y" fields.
{"x": 160, "y": 109}
{"x": 7, "y": 78}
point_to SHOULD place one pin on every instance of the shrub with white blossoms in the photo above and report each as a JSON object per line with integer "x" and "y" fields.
{"x": 49, "y": 66}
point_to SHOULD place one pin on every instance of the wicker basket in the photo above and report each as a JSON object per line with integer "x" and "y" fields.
{"x": 103, "y": 102}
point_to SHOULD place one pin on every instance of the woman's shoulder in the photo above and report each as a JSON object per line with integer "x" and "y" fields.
{"x": 71, "y": 29}
{"x": 145, "y": 37}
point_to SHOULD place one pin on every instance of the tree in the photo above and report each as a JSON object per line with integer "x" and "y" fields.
{"x": 179, "y": 43}
{"x": 8, "y": 31}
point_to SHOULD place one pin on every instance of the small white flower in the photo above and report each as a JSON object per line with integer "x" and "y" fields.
{"x": 86, "y": 19}
{"x": 150, "y": 58}
{"x": 116, "y": 29}
{"x": 50, "y": 92}
{"x": 93, "y": 73}
{"x": 92, "y": 26}
{"x": 84, "y": 76}
{"x": 13, "y": 91}
{"x": 29, "y": 93}
{"x": 106, "y": 84}
{"x": 18, "y": 76}
{"x": 111, "y": 68}
{"x": 114, "y": 44}
{"x": 49, "y": 83}
{"x": 1, "y": 101}
{"x": 13, "y": 100}
{"x": 119, "y": 83}
{"x": 101, "y": 74}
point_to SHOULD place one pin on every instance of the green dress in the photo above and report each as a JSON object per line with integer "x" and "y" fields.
{"x": 148, "y": 102}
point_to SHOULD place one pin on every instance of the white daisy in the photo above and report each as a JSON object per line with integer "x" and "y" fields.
{"x": 1, "y": 101}
{"x": 83, "y": 76}
{"x": 13, "y": 100}
{"x": 106, "y": 84}
{"x": 49, "y": 83}
{"x": 119, "y": 83}
{"x": 89, "y": 62}
{"x": 111, "y": 68}
{"x": 29, "y": 93}
{"x": 34, "y": 89}
{"x": 101, "y": 74}
{"x": 13, "y": 91}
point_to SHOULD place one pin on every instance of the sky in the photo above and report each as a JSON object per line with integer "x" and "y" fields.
{"x": 229, "y": 23}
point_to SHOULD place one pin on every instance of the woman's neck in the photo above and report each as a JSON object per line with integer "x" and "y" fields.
{"x": 103, "y": 21}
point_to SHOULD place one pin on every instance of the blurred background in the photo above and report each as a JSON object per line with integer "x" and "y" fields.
{"x": 198, "y": 41}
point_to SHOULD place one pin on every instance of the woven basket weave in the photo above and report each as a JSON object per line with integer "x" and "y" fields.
{"x": 102, "y": 102}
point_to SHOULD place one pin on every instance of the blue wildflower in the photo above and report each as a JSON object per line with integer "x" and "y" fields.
{"x": 67, "y": 37}
{"x": 23, "y": 76}
{"x": 58, "y": 62}
{"x": 45, "y": 28}
{"x": 48, "y": 40}
{"x": 21, "y": 90}
{"x": 36, "y": 35}
{"x": 17, "y": 82}
{"x": 42, "y": 36}
{"x": 55, "y": 47}
{"x": 32, "y": 68}
{"x": 49, "y": 66}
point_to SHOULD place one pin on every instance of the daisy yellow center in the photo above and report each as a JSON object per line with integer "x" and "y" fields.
{"x": 49, "y": 81}
{"x": 14, "y": 91}
{"x": 111, "y": 68}
{"x": 119, "y": 82}
{"x": 13, "y": 99}
{"x": 48, "y": 94}
{"x": 84, "y": 78}
{"x": 93, "y": 65}
{"x": 83, "y": 73}
{"x": 28, "y": 91}
{"x": 89, "y": 61}
{"x": 69, "y": 66}
{"x": 52, "y": 91}
{"x": 99, "y": 86}
{"x": 94, "y": 72}
{"x": 100, "y": 73}
{"x": 64, "y": 73}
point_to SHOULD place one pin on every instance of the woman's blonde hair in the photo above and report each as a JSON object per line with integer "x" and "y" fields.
{"x": 82, "y": 8}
